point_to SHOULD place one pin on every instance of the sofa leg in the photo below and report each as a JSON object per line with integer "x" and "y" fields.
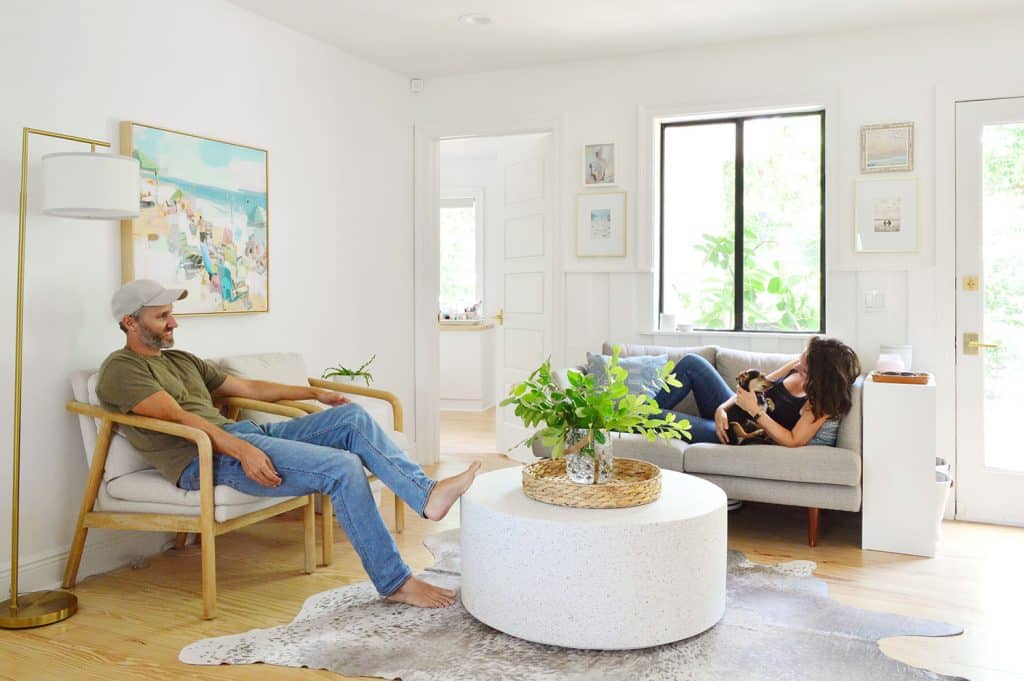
{"x": 812, "y": 526}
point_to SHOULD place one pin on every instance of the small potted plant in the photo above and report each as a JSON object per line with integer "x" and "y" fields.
{"x": 347, "y": 375}
{"x": 579, "y": 418}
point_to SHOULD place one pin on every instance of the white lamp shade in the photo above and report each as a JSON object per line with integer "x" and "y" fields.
{"x": 90, "y": 185}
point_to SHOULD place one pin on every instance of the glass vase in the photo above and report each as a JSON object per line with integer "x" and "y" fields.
{"x": 591, "y": 457}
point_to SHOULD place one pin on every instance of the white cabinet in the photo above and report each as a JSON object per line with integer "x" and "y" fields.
{"x": 467, "y": 367}
{"x": 899, "y": 468}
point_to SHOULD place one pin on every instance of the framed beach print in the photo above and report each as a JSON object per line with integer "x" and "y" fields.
{"x": 601, "y": 225}
{"x": 598, "y": 164}
{"x": 203, "y": 220}
{"x": 887, "y": 148}
{"x": 886, "y": 216}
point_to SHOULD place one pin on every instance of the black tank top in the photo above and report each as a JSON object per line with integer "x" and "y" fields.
{"x": 781, "y": 405}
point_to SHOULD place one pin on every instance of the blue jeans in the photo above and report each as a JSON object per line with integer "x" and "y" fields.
{"x": 709, "y": 390}
{"x": 326, "y": 452}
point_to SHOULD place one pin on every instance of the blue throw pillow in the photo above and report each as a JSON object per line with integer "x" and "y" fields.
{"x": 827, "y": 435}
{"x": 643, "y": 371}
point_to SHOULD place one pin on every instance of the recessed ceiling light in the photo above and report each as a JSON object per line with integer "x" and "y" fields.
{"x": 475, "y": 19}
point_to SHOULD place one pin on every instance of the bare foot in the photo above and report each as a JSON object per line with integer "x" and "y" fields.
{"x": 447, "y": 491}
{"x": 422, "y": 594}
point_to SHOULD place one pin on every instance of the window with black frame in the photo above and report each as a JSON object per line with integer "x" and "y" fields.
{"x": 743, "y": 222}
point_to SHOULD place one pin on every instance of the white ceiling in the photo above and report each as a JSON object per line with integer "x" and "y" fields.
{"x": 423, "y": 38}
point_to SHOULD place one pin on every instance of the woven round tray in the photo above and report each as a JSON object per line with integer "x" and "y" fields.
{"x": 633, "y": 483}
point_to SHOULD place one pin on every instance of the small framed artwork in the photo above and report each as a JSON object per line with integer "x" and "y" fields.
{"x": 601, "y": 225}
{"x": 887, "y": 148}
{"x": 886, "y": 216}
{"x": 203, "y": 220}
{"x": 598, "y": 164}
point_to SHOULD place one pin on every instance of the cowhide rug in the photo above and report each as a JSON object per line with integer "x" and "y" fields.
{"x": 779, "y": 623}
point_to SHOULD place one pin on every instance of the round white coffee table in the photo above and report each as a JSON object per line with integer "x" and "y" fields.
{"x": 607, "y": 579}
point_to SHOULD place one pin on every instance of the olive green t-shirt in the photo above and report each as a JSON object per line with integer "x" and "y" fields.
{"x": 127, "y": 378}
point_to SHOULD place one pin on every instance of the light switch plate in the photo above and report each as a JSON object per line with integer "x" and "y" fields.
{"x": 874, "y": 299}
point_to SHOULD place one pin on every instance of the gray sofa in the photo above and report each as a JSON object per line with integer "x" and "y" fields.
{"x": 813, "y": 476}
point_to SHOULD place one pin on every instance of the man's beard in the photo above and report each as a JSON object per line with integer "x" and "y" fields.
{"x": 154, "y": 340}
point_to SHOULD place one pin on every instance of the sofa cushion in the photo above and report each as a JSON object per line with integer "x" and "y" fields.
{"x": 708, "y": 352}
{"x": 827, "y": 434}
{"x": 642, "y": 371}
{"x": 731, "y": 362}
{"x": 809, "y": 494}
{"x": 850, "y": 426}
{"x": 667, "y": 454}
{"x": 828, "y": 465}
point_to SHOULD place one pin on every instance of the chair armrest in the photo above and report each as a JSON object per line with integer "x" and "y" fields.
{"x": 187, "y": 432}
{"x": 197, "y": 436}
{"x": 391, "y": 398}
{"x": 283, "y": 408}
{"x": 304, "y": 406}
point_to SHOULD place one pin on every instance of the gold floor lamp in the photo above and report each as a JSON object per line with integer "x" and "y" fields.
{"x": 89, "y": 185}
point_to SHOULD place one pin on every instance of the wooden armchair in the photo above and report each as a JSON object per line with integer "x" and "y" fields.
{"x": 124, "y": 492}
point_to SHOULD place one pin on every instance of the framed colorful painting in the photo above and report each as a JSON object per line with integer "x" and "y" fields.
{"x": 203, "y": 220}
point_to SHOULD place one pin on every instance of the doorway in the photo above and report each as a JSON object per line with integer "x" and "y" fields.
{"x": 495, "y": 216}
{"x": 989, "y": 309}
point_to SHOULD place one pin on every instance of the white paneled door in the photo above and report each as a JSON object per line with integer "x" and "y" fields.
{"x": 990, "y": 310}
{"x": 520, "y": 273}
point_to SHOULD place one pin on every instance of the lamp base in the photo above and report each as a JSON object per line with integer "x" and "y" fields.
{"x": 38, "y": 608}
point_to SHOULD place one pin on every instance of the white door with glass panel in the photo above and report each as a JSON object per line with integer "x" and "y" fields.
{"x": 990, "y": 310}
{"x": 522, "y": 279}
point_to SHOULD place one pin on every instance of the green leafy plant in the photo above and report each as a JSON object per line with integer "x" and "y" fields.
{"x": 342, "y": 370}
{"x": 587, "y": 405}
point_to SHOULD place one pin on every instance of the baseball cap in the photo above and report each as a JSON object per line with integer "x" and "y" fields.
{"x": 142, "y": 293}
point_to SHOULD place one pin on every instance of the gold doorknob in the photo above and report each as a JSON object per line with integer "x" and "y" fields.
{"x": 500, "y": 317}
{"x": 972, "y": 344}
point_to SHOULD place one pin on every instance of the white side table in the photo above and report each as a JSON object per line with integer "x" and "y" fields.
{"x": 594, "y": 578}
{"x": 899, "y": 468}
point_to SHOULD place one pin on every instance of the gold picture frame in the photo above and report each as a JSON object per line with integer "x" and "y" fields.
{"x": 204, "y": 220}
{"x": 887, "y": 148}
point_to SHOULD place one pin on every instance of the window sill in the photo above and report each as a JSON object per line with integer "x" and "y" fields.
{"x": 730, "y": 334}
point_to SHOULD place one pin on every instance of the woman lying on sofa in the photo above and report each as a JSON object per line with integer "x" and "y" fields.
{"x": 806, "y": 392}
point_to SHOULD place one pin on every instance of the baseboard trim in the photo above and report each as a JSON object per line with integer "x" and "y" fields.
{"x": 104, "y": 551}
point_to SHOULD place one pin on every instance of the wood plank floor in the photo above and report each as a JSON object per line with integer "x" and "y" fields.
{"x": 132, "y": 623}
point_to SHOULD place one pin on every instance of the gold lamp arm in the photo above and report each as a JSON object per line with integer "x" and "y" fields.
{"x": 43, "y": 607}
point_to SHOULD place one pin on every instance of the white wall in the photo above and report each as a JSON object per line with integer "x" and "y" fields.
{"x": 862, "y": 77}
{"x": 339, "y": 137}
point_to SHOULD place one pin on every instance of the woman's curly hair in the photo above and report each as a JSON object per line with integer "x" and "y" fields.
{"x": 832, "y": 367}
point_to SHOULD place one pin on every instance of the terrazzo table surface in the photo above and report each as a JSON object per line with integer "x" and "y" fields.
{"x": 607, "y": 579}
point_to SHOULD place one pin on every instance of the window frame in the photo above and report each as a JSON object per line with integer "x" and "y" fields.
{"x": 453, "y": 198}
{"x": 739, "y": 122}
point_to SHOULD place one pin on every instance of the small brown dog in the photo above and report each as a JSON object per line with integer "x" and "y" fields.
{"x": 743, "y": 429}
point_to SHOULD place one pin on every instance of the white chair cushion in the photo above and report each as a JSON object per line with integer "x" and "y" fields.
{"x": 122, "y": 458}
{"x": 152, "y": 487}
{"x": 278, "y": 367}
{"x": 290, "y": 368}
{"x": 150, "y": 492}
{"x": 105, "y": 502}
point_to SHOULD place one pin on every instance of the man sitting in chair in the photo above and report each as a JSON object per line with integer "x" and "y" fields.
{"x": 323, "y": 452}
